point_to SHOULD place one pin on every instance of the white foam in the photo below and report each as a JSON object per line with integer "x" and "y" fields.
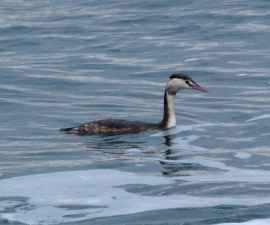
{"x": 101, "y": 189}
{"x": 242, "y": 74}
{"x": 191, "y": 60}
{"x": 251, "y": 222}
{"x": 242, "y": 155}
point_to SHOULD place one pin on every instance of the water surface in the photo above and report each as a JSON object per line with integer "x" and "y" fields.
{"x": 66, "y": 62}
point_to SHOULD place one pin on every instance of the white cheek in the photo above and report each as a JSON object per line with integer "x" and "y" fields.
{"x": 177, "y": 83}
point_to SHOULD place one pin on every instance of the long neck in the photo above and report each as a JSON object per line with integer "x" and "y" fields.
{"x": 169, "y": 119}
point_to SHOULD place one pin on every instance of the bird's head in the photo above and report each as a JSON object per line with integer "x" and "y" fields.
{"x": 181, "y": 81}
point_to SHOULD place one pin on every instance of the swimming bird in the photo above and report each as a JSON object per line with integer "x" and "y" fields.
{"x": 175, "y": 83}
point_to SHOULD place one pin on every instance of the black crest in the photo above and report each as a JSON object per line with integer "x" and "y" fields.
{"x": 180, "y": 76}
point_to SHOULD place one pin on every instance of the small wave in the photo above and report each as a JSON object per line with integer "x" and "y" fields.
{"x": 261, "y": 117}
{"x": 251, "y": 222}
{"x": 238, "y": 12}
{"x": 252, "y": 28}
{"x": 97, "y": 79}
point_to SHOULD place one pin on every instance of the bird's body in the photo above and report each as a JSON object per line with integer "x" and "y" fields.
{"x": 115, "y": 126}
{"x": 111, "y": 126}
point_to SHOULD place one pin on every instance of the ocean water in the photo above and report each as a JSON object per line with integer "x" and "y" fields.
{"x": 65, "y": 62}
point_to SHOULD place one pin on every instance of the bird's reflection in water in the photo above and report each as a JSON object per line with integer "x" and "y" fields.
{"x": 128, "y": 145}
{"x": 144, "y": 148}
{"x": 173, "y": 163}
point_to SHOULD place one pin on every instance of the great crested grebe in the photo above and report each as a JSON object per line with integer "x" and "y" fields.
{"x": 175, "y": 83}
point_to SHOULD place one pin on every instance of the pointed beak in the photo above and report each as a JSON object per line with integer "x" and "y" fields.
{"x": 197, "y": 87}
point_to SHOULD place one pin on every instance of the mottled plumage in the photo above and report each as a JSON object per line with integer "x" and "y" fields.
{"x": 108, "y": 126}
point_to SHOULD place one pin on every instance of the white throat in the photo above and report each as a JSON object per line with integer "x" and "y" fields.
{"x": 171, "y": 118}
{"x": 171, "y": 114}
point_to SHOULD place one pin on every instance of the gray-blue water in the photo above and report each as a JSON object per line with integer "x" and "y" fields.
{"x": 64, "y": 62}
